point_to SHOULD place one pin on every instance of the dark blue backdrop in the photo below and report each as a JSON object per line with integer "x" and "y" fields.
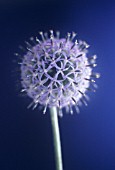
{"x": 88, "y": 139}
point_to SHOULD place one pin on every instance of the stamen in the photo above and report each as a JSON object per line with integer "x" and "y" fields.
{"x": 86, "y": 45}
{"x": 84, "y": 102}
{"x": 68, "y": 37}
{"x": 30, "y": 50}
{"x": 51, "y": 38}
{"x": 42, "y": 36}
{"x": 96, "y": 75}
{"x": 91, "y": 65}
{"x": 70, "y": 108}
{"x": 60, "y": 113}
{"x": 51, "y": 32}
{"x": 57, "y": 34}
{"x": 46, "y": 35}
{"x": 45, "y": 108}
{"x": 83, "y": 94}
{"x": 79, "y": 55}
{"x": 30, "y": 105}
{"x": 93, "y": 57}
{"x": 90, "y": 89}
{"x": 20, "y": 63}
{"x": 38, "y": 40}
{"x": 61, "y": 45}
{"x": 23, "y": 90}
{"x": 73, "y": 35}
{"x": 16, "y": 54}
{"x": 74, "y": 100}
{"x": 77, "y": 109}
{"x": 22, "y": 48}
{"x": 75, "y": 43}
{"x": 35, "y": 106}
{"x": 75, "y": 83}
{"x": 28, "y": 44}
{"x": 91, "y": 80}
{"x": 33, "y": 40}
{"x": 59, "y": 104}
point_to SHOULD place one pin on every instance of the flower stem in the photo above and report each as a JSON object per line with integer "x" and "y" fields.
{"x": 56, "y": 138}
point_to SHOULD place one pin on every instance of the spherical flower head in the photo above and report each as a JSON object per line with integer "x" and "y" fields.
{"x": 56, "y": 71}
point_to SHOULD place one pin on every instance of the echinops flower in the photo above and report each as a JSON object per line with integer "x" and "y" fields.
{"x": 57, "y": 72}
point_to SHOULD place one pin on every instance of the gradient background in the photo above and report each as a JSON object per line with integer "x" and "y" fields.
{"x": 88, "y": 139}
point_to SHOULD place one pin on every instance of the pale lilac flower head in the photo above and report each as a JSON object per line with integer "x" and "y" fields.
{"x": 56, "y": 71}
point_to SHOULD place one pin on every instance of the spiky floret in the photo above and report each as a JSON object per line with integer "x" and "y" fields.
{"x": 56, "y": 71}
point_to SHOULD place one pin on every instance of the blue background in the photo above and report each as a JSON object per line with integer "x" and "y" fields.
{"x": 88, "y": 139}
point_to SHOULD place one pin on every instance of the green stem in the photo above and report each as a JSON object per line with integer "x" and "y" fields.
{"x": 56, "y": 137}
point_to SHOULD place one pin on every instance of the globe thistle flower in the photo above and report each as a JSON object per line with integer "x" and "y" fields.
{"x": 56, "y": 72}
